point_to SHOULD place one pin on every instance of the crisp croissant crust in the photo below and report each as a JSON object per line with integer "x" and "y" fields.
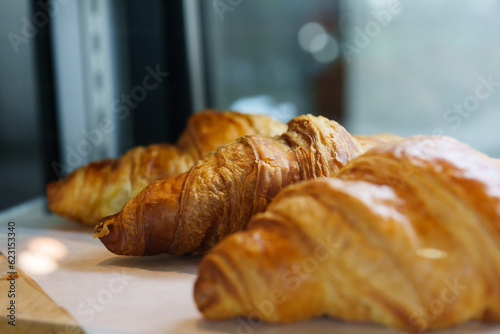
{"x": 191, "y": 212}
{"x": 101, "y": 188}
{"x": 407, "y": 235}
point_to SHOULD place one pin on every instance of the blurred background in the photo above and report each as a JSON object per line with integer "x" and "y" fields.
{"x": 88, "y": 79}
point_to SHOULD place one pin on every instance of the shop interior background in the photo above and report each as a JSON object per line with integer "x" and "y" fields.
{"x": 405, "y": 67}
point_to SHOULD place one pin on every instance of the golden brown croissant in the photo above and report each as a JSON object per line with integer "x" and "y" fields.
{"x": 102, "y": 188}
{"x": 191, "y": 212}
{"x": 407, "y": 235}
{"x": 368, "y": 142}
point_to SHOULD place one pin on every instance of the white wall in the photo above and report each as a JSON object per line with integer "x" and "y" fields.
{"x": 411, "y": 74}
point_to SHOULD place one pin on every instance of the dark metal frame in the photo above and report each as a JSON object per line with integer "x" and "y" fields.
{"x": 159, "y": 29}
{"x": 44, "y": 67}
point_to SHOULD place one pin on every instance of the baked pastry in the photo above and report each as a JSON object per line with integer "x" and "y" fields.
{"x": 191, "y": 212}
{"x": 101, "y": 188}
{"x": 407, "y": 235}
{"x": 368, "y": 142}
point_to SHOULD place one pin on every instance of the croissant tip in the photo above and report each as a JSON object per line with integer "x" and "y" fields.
{"x": 102, "y": 228}
{"x": 110, "y": 231}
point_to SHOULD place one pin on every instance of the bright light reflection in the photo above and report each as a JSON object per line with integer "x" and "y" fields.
{"x": 38, "y": 264}
{"x": 431, "y": 253}
{"x": 329, "y": 52}
{"x": 50, "y": 247}
{"x": 42, "y": 256}
{"x": 318, "y": 42}
{"x": 307, "y": 34}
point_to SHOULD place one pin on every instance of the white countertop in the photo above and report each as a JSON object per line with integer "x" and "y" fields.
{"x": 106, "y": 293}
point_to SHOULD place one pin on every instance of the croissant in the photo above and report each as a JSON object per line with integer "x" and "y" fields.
{"x": 101, "y": 188}
{"x": 367, "y": 142}
{"x": 191, "y": 212}
{"x": 407, "y": 235}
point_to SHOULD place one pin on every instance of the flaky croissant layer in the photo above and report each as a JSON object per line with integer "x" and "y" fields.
{"x": 407, "y": 235}
{"x": 101, "y": 188}
{"x": 190, "y": 213}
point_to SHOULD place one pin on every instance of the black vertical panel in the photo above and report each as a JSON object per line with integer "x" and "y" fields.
{"x": 206, "y": 7}
{"x": 178, "y": 90}
{"x": 44, "y": 66}
{"x": 156, "y": 40}
{"x": 145, "y": 38}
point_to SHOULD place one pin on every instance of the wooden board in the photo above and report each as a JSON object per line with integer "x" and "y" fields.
{"x": 30, "y": 305}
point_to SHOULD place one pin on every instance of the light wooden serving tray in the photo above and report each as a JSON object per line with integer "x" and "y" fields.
{"x": 35, "y": 311}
